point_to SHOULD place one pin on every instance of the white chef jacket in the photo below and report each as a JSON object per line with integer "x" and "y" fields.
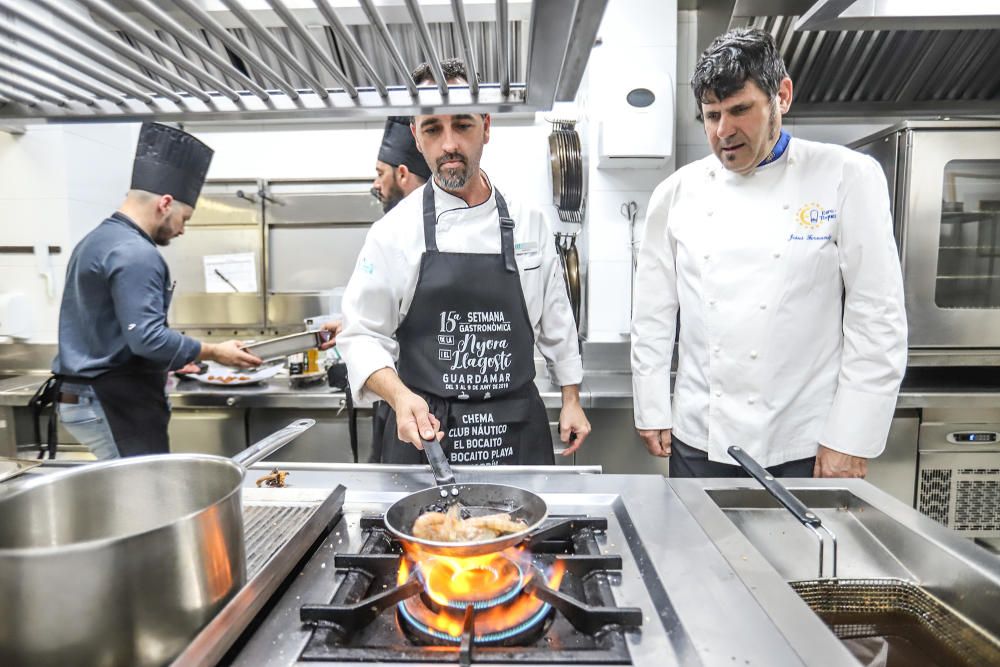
{"x": 381, "y": 288}
{"x": 758, "y": 266}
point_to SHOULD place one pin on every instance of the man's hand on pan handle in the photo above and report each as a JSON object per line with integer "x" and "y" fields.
{"x": 414, "y": 421}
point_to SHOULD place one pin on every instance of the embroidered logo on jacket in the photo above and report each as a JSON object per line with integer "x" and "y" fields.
{"x": 812, "y": 216}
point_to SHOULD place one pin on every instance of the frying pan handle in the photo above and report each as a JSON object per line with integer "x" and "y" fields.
{"x": 439, "y": 462}
{"x": 775, "y": 488}
{"x": 273, "y": 442}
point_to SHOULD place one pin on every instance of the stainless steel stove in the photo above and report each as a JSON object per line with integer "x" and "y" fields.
{"x": 626, "y": 548}
{"x": 349, "y": 605}
{"x": 550, "y": 602}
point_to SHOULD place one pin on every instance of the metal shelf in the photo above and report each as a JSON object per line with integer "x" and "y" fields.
{"x": 100, "y": 60}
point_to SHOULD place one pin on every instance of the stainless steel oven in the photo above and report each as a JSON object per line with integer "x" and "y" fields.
{"x": 226, "y": 222}
{"x": 314, "y": 231}
{"x": 291, "y": 244}
{"x": 944, "y": 179}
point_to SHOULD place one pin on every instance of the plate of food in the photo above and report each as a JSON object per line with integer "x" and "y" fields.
{"x": 217, "y": 374}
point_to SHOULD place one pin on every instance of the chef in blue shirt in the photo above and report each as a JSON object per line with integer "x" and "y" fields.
{"x": 115, "y": 347}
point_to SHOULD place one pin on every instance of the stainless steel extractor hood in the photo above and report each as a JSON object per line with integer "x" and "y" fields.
{"x": 866, "y": 58}
{"x": 187, "y": 60}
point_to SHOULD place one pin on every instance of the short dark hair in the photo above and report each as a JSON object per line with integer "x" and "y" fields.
{"x": 453, "y": 68}
{"x": 731, "y": 59}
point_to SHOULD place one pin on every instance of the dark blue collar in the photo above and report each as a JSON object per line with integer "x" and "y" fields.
{"x": 118, "y": 216}
{"x": 778, "y": 150}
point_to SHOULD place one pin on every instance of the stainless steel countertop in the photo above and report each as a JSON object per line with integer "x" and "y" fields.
{"x": 878, "y": 537}
{"x": 275, "y": 393}
{"x": 923, "y": 388}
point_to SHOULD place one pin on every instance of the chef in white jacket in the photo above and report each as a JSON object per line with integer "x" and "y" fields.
{"x": 452, "y": 292}
{"x": 778, "y": 255}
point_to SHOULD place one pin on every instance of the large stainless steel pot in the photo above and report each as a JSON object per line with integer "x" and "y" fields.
{"x": 121, "y": 562}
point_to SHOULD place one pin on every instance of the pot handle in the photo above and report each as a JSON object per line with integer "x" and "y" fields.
{"x": 439, "y": 463}
{"x": 273, "y": 442}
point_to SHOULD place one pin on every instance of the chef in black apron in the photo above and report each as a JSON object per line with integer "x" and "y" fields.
{"x": 115, "y": 347}
{"x": 446, "y": 336}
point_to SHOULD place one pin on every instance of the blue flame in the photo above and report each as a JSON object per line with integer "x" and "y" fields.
{"x": 490, "y": 638}
{"x": 485, "y": 604}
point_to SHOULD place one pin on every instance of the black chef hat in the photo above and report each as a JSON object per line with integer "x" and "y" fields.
{"x": 169, "y": 161}
{"x": 398, "y": 147}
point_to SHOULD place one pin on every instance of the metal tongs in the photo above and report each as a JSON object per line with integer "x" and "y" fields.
{"x": 806, "y": 517}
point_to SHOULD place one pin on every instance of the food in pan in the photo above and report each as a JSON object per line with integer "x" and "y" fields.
{"x": 451, "y": 527}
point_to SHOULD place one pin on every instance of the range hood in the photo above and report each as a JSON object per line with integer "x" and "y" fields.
{"x": 198, "y": 60}
{"x": 867, "y": 58}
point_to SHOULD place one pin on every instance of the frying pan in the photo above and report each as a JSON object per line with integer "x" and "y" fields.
{"x": 475, "y": 499}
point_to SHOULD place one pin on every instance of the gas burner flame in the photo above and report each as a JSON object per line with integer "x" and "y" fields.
{"x": 494, "y": 584}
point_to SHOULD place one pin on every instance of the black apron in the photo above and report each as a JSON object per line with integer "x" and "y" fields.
{"x": 467, "y": 347}
{"x": 135, "y": 402}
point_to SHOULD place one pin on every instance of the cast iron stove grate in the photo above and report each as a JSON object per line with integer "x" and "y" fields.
{"x": 581, "y": 623}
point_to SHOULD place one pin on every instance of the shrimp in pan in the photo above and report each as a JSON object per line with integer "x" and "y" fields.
{"x": 451, "y": 527}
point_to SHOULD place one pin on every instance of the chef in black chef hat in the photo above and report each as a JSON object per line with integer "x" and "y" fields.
{"x": 115, "y": 344}
{"x": 400, "y": 168}
{"x": 169, "y": 170}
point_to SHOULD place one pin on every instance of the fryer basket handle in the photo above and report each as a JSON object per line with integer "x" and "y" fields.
{"x": 798, "y": 509}
{"x": 806, "y": 517}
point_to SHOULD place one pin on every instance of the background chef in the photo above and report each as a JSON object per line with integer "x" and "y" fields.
{"x": 779, "y": 255}
{"x": 451, "y": 292}
{"x": 115, "y": 346}
{"x": 400, "y": 168}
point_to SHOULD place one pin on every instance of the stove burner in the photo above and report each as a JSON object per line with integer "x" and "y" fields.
{"x": 488, "y": 589}
{"x": 482, "y": 584}
{"x": 549, "y": 602}
{"x": 514, "y": 634}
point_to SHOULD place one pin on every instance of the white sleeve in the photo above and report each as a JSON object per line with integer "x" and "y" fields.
{"x": 874, "y": 355}
{"x": 654, "y": 317}
{"x": 558, "y": 340}
{"x": 371, "y": 315}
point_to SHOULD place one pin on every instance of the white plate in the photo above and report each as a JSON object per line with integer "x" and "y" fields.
{"x": 230, "y": 377}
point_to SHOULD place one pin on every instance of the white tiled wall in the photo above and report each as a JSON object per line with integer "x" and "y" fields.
{"x": 691, "y": 143}
{"x": 56, "y": 183}
{"x": 634, "y": 33}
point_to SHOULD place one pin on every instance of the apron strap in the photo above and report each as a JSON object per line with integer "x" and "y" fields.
{"x": 506, "y": 227}
{"x": 430, "y": 219}
{"x": 506, "y": 234}
{"x": 47, "y": 395}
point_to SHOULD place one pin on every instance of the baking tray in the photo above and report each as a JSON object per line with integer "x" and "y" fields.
{"x": 284, "y": 346}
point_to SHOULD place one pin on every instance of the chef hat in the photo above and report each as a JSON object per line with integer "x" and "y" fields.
{"x": 169, "y": 161}
{"x": 398, "y": 147}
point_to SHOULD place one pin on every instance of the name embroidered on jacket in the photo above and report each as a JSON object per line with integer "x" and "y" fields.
{"x": 809, "y": 237}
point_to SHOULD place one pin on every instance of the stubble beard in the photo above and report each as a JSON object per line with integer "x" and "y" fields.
{"x": 163, "y": 235}
{"x": 393, "y": 197}
{"x": 453, "y": 178}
